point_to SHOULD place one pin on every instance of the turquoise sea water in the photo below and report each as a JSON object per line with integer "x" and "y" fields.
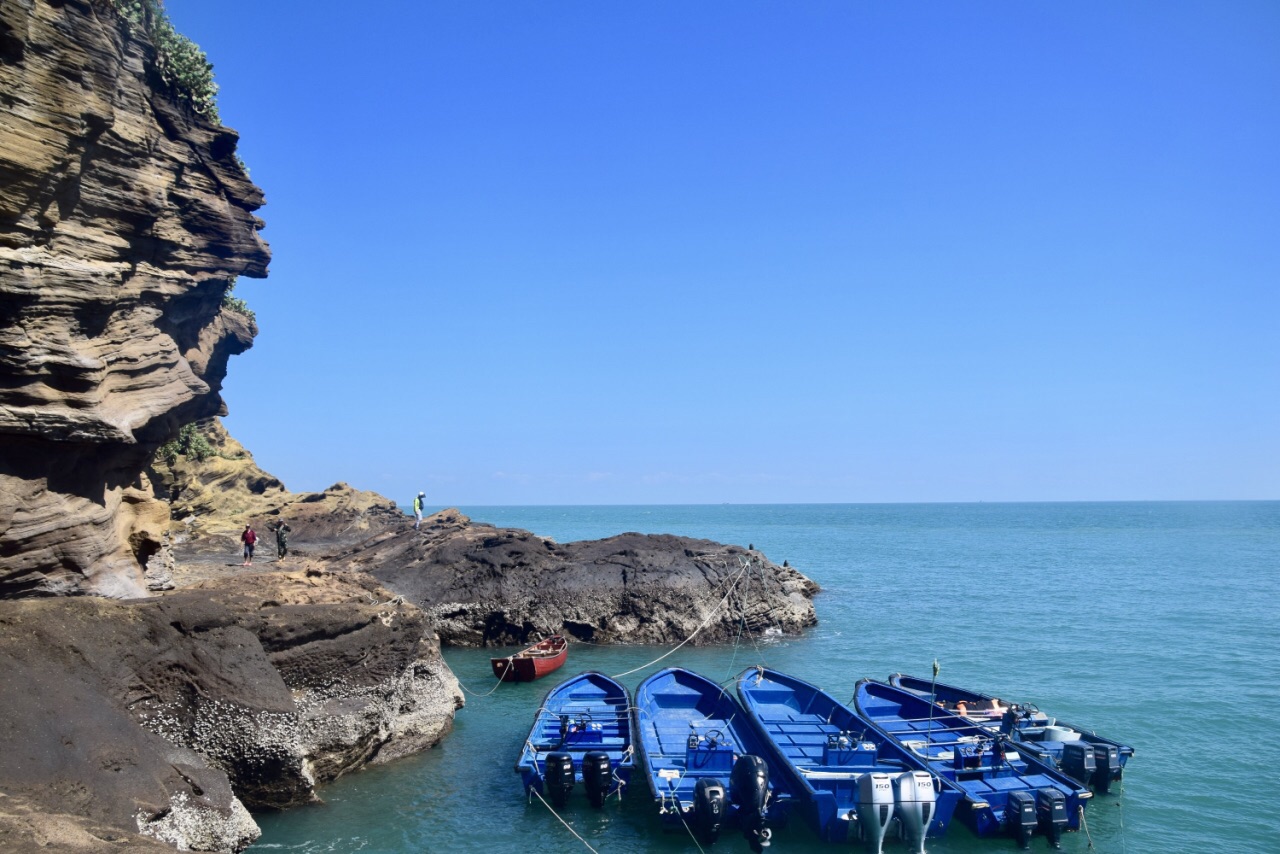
{"x": 1155, "y": 623}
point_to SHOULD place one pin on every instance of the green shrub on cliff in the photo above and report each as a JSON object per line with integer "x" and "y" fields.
{"x": 236, "y": 304}
{"x": 180, "y": 62}
{"x": 190, "y": 444}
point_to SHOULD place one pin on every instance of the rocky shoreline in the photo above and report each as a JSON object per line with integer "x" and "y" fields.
{"x": 171, "y": 717}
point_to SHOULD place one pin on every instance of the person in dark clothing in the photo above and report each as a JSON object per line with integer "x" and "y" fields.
{"x": 282, "y": 538}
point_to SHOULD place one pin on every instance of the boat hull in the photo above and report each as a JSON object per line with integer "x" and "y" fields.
{"x": 584, "y": 717}
{"x": 991, "y": 773}
{"x": 824, "y": 749}
{"x": 1036, "y": 733}
{"x": 691, "y": 733}
{"x": 534, "y": 662}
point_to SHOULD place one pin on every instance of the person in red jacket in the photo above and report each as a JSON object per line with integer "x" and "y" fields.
{"x": 250, "y": 539}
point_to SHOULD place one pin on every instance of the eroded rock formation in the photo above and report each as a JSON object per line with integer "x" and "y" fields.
{"x": 488, "y": 586}
{"x": 124, "y": 220}
{"x": 167, "y": 717}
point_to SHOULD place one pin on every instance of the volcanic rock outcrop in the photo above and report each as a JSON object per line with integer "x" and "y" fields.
{"x": 124, "y": 221}
{"x": 242, "y": 693}
{"x": 214, "y": 497}
{"x": 487, "y": 586}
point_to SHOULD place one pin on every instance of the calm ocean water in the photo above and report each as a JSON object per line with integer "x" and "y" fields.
{"x": 1155, "y": 623}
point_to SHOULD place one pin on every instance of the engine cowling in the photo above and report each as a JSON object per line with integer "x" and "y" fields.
{"x": 558, "y": 777}
{"x": 749, "y": 790}
{"x": 708, "y": 809}
{"x": 597, "y": 776}
{"x": 875, "y": 808}
{"x": 1020, "y": 817}
{"x": 915, "y": 800}
{"x": 1106, "y": 760}
{"x": 1051, "y": 809}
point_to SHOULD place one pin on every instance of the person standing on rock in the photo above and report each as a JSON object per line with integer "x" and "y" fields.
{"x": 250, "y": 539}
{"x": 417, "y": 510}
{"x": 282, "y": 538}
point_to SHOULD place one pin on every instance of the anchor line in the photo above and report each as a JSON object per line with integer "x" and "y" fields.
{"x": 691, "y": 833}
{"x": 562, "y": 821}
{"x": 1085, "y": 825}
{"x": 1124, "y": 843}
{"x": 497, "y": 685}
{"x": 679, "y": 810}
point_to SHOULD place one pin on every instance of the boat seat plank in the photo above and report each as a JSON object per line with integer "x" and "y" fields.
{"x": 977, "y": 788}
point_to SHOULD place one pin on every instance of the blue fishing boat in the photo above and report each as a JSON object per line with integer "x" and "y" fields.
{"x": 706, "y": 767}
{"x": 1081, "y": 753}
{"x": 581, "y": 734}
{"x": 1004, "y": 790}
{"x": 852, "y": 782}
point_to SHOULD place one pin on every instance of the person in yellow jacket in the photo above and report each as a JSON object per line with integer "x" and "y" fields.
{"x": 417, "y": 510}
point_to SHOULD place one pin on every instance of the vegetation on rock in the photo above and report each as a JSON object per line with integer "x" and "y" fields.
{"x": 179, "y": 61}
{"x": 236, "y": 304}
{"x": 191, "y": 443}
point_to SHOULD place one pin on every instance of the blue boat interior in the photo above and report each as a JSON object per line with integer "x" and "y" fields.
{"x": 955, "y": 748}
{"x": 585, "y": 716}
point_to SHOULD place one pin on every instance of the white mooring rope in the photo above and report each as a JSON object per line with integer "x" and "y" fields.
{"x": 705, "y": 623}
{"x": 562, "y": 821}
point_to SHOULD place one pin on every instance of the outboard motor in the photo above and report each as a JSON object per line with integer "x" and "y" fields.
{"x": 1051, "y": 811}
{"x": 1078, "y": 761}
{"x": 597, "y": 775}
{"x": 1106, "y": 759}
{"x": 915, "y": 800}
{"x": 708, "y": 809}
{"x": 1020, "y": 817}
{"x": 875, "y": 808}
{"x": 749, "y": 789}
{"x": 558, "y": 778}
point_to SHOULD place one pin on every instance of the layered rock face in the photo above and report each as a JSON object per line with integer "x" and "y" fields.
{"x": 124, "y": 219}
{"x": 176, "y": 713}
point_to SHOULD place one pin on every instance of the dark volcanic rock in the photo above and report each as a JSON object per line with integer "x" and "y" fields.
{"x": 491, "y": 586}
{"x": 165, "y": 717}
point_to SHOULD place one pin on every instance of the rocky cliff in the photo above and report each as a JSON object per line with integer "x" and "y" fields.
{"x": 125, "y": 218}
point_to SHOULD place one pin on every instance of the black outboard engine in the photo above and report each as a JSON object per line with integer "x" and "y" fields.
{"x": 1051, "y": 810}
{"x": 558, "y": 778}
{"x": 597, "y": 775}
{"x": 749, "y": 789}
{"x": 1020, "y": 817}
{"x": 1078, "y": 761}
{"x": 708, "y": 809}
{"x": 1106, "y": 759}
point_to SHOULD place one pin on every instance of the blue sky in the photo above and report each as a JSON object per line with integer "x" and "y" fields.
{"x": 659, "y": 252}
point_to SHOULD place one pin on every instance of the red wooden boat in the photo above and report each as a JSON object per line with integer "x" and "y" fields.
{"x": 533, "y": 662}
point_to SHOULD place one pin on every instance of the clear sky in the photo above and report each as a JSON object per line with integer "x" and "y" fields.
{"x": 675, "y": 252}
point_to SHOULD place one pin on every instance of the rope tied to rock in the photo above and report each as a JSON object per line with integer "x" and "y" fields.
{"x": 733, "y": 584}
